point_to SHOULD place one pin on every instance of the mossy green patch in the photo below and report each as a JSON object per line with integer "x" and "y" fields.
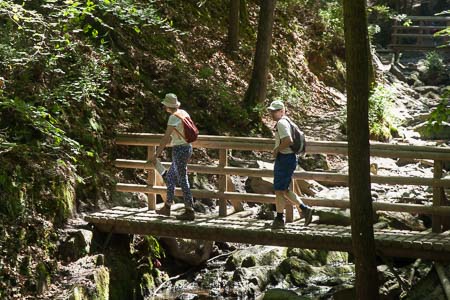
{"x": 101, "y": 277}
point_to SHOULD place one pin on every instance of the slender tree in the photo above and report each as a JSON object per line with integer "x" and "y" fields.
{"x": 357, "y": 57}
{"x": 233, "y": 26}
{"x": 257, "y": 89}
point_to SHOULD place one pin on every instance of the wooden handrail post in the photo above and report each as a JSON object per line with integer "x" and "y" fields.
{"x": 151, "y": 179}
{"x": 438, "y": 196}
{"x": 223, "y": 183}
{"x": 421, "y": 32}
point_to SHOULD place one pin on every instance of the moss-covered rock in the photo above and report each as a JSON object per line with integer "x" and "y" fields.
{"x": 249, "y": 261}
{"x": 295, "y": 270}
{"x": 42, "y": 278}
{"x": 319, "y": 257}
{"x": 75, "y": 245}
{"x": 255, "y": 256}
{"x": 101, "y": 277}
{"x": 280, "y": 294}
{"x": 313, "y": 257}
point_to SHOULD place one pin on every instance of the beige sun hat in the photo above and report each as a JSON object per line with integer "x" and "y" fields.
{"x": 276, "y": 105}
{"x": 171, "y": 100}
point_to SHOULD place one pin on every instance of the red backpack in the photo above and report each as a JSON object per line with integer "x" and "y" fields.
{"x": 190, "y": 130}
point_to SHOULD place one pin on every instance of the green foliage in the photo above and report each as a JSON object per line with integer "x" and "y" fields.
{"x": 155, "y": 249}
{"x": 381, "y": 121}
{"x": 43, "y": 122}
{"x": 14, "y": 204}
{"x": 440, "y": 114}
{"x": 444, "y": 33}
{"x": 434, "y": 64}
{"x": 436, "y": 72}
{"x": 287, "y": 92}
{"x": 332, "y": 16}
{"x": 289, "y": 5}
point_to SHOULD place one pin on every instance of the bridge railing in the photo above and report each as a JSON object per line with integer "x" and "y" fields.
{"x": 419, "y": 35}
{"x": 224, "y": 143}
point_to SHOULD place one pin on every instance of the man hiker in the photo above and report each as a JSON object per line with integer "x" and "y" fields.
{"x": 285, "y": 165}
{"x": 181, "y": 152}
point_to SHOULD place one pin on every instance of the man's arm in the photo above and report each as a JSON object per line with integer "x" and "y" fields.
{"x": 284, "y": 143}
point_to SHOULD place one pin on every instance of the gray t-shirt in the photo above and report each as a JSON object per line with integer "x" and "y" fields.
{"x": 283, "y": 130}
{"x": 176, "y": 138}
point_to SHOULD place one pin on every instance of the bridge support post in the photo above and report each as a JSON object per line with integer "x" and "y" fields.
{"x": 394, "y": 41}
{"x": 151, "y": 179}
{"x": 223, "y": 182}
{"x": 438, "y": 196}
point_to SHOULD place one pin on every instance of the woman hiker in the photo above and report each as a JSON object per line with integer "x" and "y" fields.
{"x": 285, "y": 165}
{"x": 181, "y": 152}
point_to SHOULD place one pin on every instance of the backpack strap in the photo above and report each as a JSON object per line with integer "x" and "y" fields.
{"x": 291, "y": 125}
{"x": 179, "y": 116}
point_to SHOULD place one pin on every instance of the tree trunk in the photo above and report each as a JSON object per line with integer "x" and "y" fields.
{"x": 257, "y": 89}
{"x": 357, "y": 57}
{"x": 233, "y": 26}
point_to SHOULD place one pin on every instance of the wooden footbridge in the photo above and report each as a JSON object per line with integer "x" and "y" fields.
{"x": 233, "y": 224}
{"x": 417, "y": 33}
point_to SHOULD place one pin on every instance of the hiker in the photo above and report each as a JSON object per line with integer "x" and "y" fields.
{"x": 181, "y": 152}
{"x": 285, "y": 165}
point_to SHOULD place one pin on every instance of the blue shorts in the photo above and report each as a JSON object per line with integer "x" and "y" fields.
{"x": 283, "y": 170}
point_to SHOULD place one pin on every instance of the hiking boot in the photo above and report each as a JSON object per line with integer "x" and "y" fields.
{"x": 188, "y": 215}
{"x": 278, "y": 223}
{"x": 307, "y": 213}
{"x": 165, "y": 210}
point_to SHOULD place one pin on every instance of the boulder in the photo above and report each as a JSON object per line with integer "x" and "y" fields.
{"x": 191, "y": 252}
{"x": 334, "y": 217}
{"x": 440, "y": 132}
{"x": 277, "y": 294}
{"x": 314, "y": 162}
{"x": 402, "y": 221}
{"x": 295, "y": 270}
{"x": 427, "y": 88}
{"x": 259, "y": 185}
{"x": 255, "y": 255}
{"x": 75, "y": 244}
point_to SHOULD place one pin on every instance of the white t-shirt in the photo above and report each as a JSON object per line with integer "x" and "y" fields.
{"x": 176, "y": 139}
{"x": 283, "y": 130}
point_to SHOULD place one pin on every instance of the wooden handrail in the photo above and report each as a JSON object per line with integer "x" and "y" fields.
{"x": 413, "y": 27}
{"x": 266, "y": 144}
{"x": 270, "y": 199}
{"x": 422, "y": 32}
{"x": 224, "y": 143}
{"x": 427, "y": 35}
{"x": 429, "y": 18}
{"x": 305, "y": 175}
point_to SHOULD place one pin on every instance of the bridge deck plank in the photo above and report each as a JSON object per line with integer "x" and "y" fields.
{"x": 244, "y": 228}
